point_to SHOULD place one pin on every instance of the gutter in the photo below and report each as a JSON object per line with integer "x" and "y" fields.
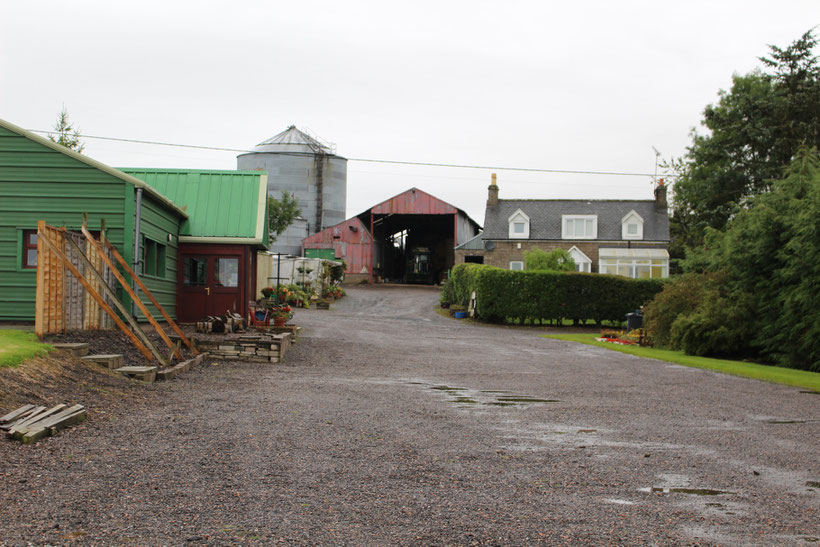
{"x": 135, "y": 264}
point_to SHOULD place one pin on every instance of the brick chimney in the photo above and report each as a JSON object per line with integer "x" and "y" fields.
{"x": 660, "y": 196}
{"x": 492, "y": 196}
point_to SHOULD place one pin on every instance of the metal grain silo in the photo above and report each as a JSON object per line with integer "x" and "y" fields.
{"x": 302, "y": 165}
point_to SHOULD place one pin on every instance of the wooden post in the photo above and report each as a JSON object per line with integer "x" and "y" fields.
{"x": 39, "y": 296}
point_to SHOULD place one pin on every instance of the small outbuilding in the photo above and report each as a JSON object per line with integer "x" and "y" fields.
{"x": 219, "y": 241}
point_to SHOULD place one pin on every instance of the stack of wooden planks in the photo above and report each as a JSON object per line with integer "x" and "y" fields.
{"x": 30, "y": 423}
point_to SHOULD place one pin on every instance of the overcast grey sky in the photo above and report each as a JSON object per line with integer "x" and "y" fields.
{"x": 554, "y": 85}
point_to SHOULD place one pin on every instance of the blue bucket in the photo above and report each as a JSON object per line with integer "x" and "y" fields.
{"x": 460, "y": 315}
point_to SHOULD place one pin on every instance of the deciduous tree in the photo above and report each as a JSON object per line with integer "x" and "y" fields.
{"x": 281, "y": 214}
{"x": 753, "y": 132}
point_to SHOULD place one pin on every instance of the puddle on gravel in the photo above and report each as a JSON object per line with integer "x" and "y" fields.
{"x": 616, "y": 501}
{"x": 813, "y": 484}
{"x": 790, "y": 421}
{"x": 587, "y": 430}
{"x": 525, "y": 399}
{"x": 690, "y": 491}
{"x": 809, "y": 392}
{"x": 503, "y": 398}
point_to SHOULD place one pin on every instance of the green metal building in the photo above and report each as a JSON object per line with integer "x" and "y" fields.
{"x": 219, "y": 242}
{"x": 41, "y": 180}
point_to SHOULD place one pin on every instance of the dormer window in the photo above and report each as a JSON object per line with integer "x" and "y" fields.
{"x": 632, "y": 226}
{"x": 519, "y": 225}
{"x": 579, "y": 226}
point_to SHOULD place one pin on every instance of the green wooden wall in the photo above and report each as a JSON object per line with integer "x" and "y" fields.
{"x": 156, "y": 224}
{"x": 40, "y": 183}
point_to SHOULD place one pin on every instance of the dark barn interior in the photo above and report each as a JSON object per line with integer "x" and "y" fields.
{"x": 412, "y": 248}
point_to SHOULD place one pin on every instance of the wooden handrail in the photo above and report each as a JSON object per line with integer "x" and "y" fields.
{"x": 128, "y": 289}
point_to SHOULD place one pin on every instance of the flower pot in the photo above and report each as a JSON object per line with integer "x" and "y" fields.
{"x": 279, "y": 321}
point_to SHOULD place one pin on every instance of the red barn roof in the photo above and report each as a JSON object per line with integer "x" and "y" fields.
{"x": 414, "y": 202}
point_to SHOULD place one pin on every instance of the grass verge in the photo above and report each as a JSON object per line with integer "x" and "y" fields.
{"x": 16, "y": 346}
{"x": 777, "y": 375}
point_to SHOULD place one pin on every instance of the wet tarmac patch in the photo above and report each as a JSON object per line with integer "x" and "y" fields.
{"x": 689, "y": 491}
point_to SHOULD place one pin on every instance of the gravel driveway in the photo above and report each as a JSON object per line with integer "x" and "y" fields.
{"x": 390, "y": 424}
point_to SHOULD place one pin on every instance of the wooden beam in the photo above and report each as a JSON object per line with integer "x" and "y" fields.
{"x": 150, "y": 296}
{"x": 40, "y": 328}
{"x": 123, "y": 327}
{"x": 119, "y": 305}
{"x": 101, "y": 252}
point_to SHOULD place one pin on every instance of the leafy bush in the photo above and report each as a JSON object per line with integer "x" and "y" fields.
{"x": 680, "y": 296}
{"x": 558, "y": 260}
{"x": 503, "y": 295}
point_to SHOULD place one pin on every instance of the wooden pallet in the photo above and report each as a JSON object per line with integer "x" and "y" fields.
{"x": 30, "y": 423}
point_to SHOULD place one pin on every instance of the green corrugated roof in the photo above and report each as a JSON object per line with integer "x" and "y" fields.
{"x": 222, "y": 206}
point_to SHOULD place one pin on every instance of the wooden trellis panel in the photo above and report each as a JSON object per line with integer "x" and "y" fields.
{"x": 61, "y": 302}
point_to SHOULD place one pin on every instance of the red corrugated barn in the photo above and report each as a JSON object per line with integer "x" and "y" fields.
{"x": 407, "y": 238}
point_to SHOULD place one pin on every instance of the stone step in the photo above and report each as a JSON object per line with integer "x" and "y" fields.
{"x": 77, "y": 348}
{"x": 145, "y": 374}
{"x": 113, "y": 361}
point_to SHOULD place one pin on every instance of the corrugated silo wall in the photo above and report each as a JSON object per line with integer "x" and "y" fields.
{"x": 297, "y": 174}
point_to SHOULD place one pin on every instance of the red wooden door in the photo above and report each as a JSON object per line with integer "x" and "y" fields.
{"x": 210, "y": 283}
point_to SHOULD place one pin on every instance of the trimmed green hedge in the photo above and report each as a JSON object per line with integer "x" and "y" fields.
{"x": 546, "y": 295}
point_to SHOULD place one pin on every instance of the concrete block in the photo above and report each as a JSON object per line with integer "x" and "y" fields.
{"x": 77, "y": 348}
{"x": 112, "y": 361}
{"x": 145, "y": 374}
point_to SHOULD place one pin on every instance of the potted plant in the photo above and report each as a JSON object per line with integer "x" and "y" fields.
{"x": 282, "y": 315}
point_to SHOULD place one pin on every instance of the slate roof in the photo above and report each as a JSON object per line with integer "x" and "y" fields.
{"x": 545, "y": 217}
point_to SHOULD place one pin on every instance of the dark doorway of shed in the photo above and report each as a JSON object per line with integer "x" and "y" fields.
{"x": 413, "y": 248}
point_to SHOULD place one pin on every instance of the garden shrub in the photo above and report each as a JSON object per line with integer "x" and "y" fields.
{"x": 544, "y": 295}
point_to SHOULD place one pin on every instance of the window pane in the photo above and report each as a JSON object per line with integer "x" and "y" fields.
{"x": 588, "y": 228}
{"x": 194, "y": 271}
{"x": 570, "y": 228}
{"x": 518, "y": 227}
{"x": 632, "y": 229}
{"x": 160, "y": 272}
{"x": 517, "y": 266}
{"x": 643, "y": 272}
{"x": 31, "y": 258}
{"x": 657, "y": 271}
{"x": 227, "y": 272}
{"x": 32, "y": 239}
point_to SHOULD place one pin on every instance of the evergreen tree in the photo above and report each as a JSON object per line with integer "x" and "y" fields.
{"x": 67, "y": 134}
